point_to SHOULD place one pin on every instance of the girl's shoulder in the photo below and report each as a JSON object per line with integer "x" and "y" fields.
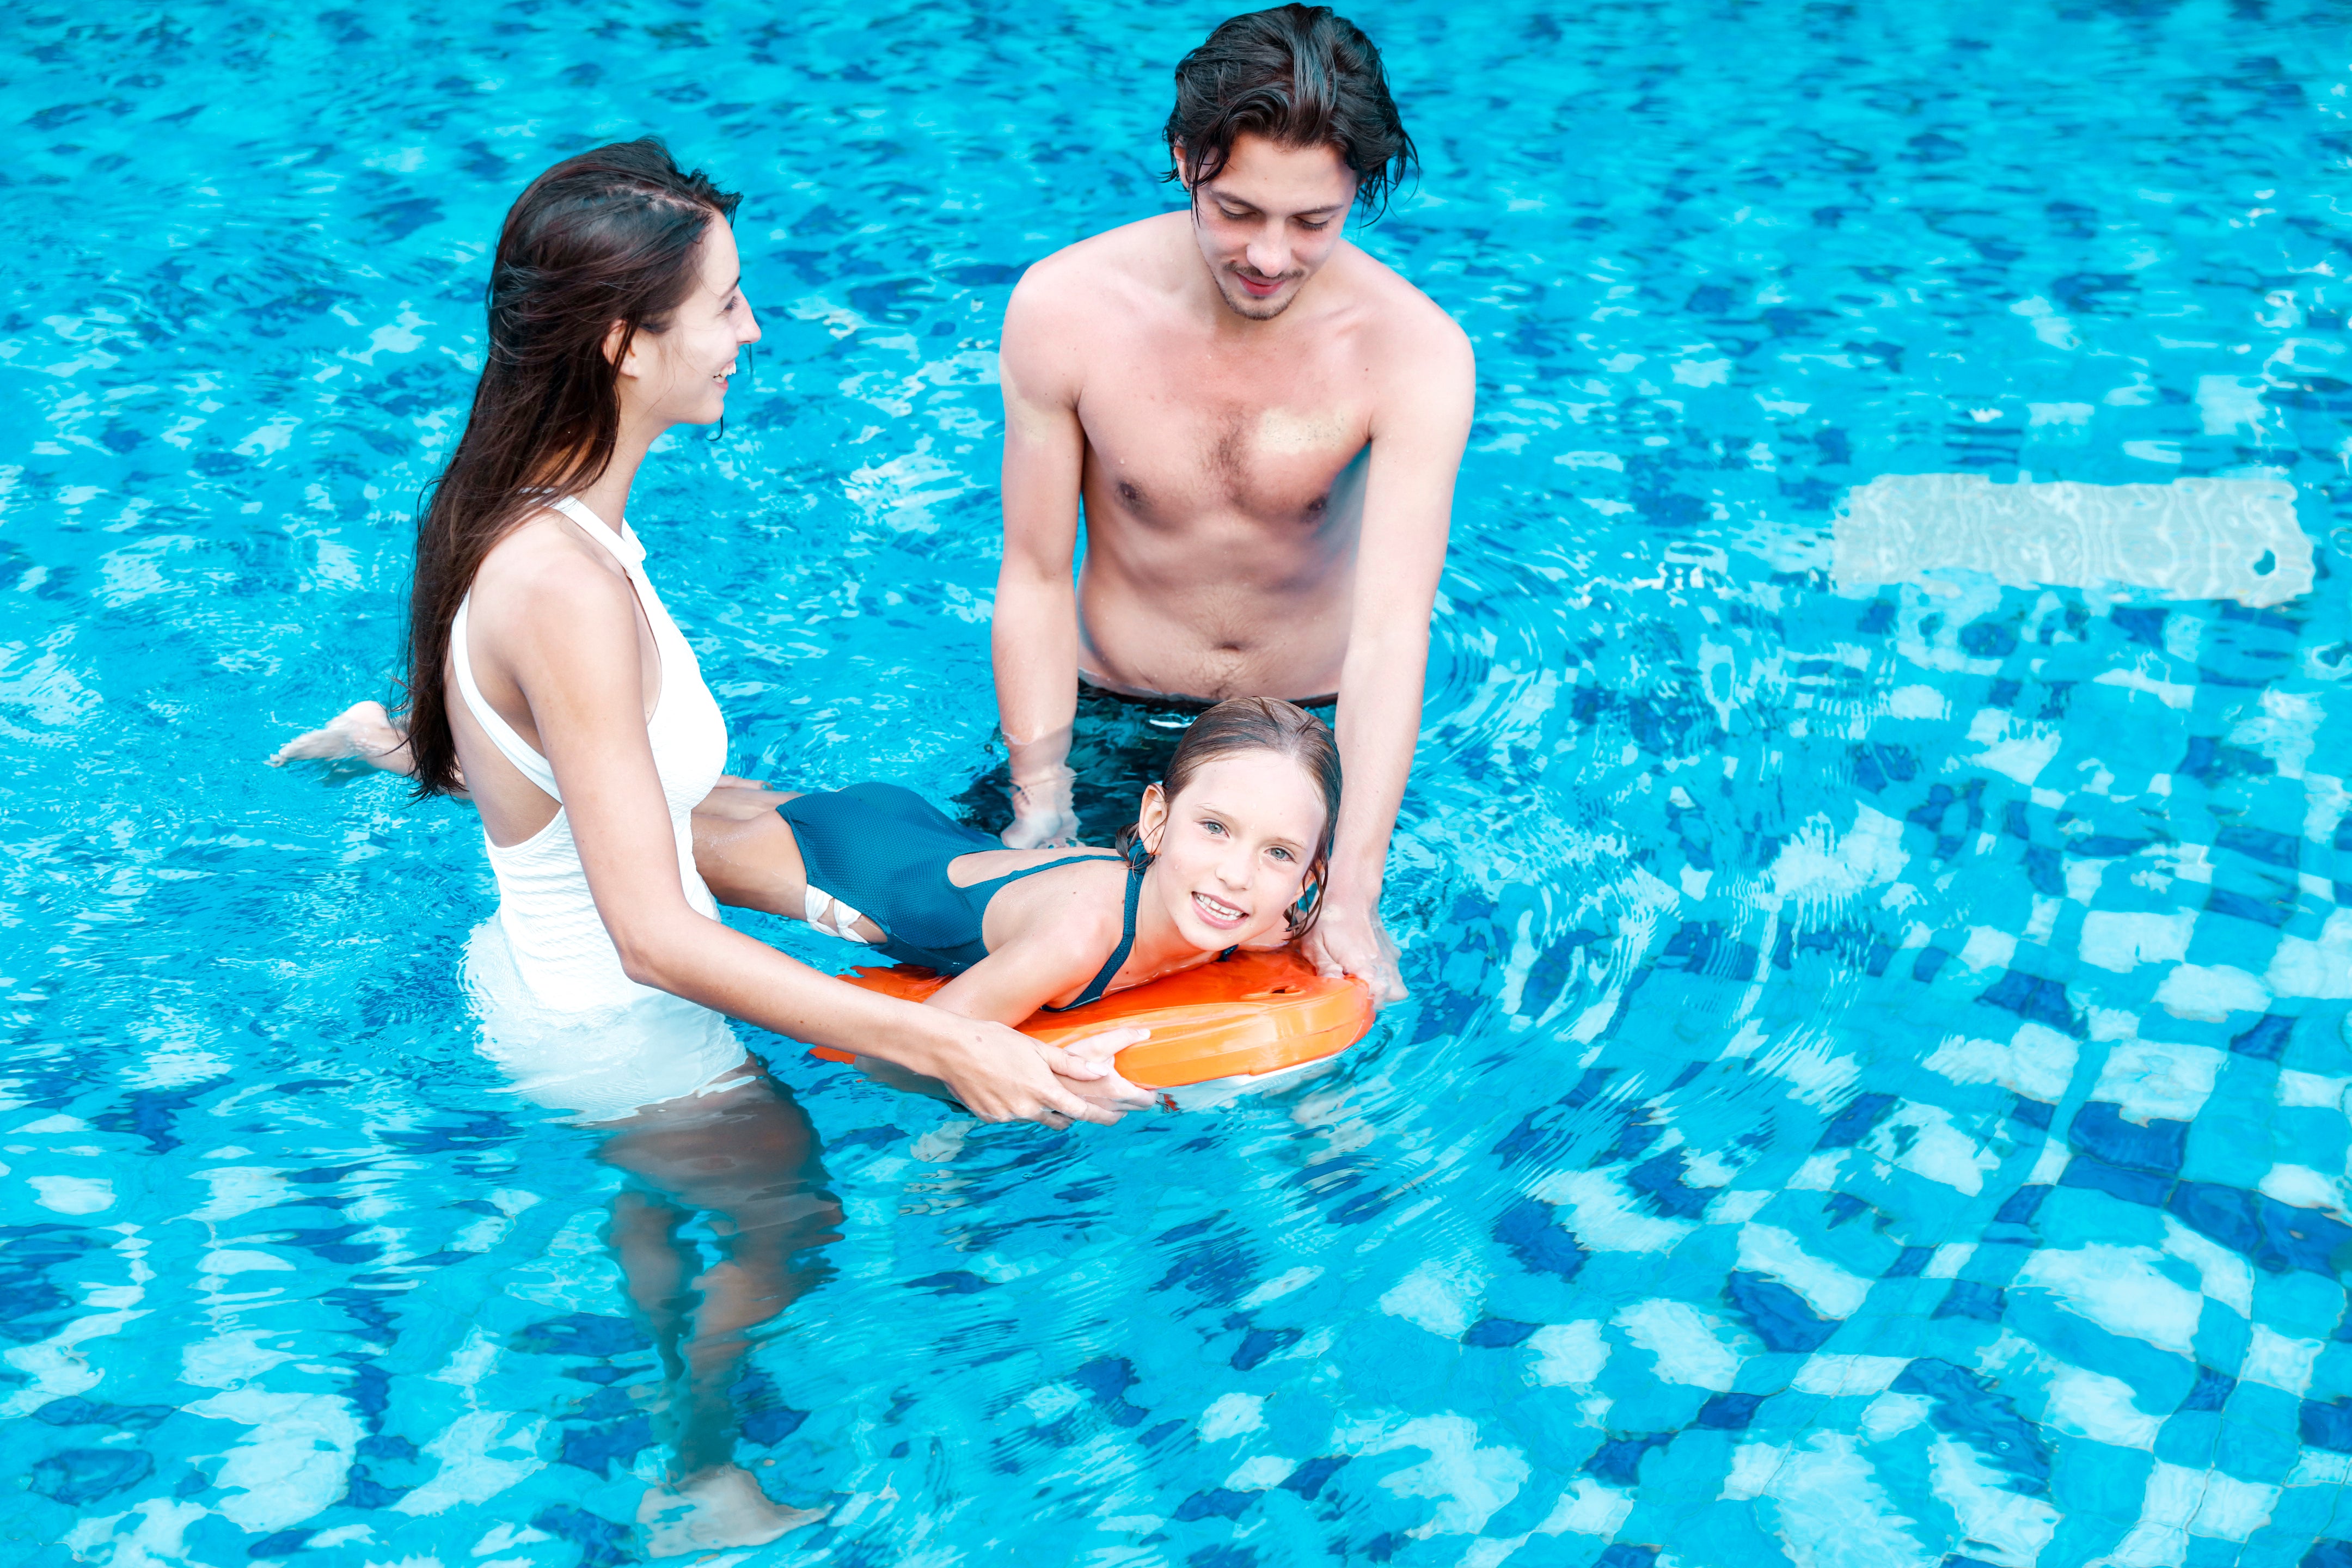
{"x": 1076, "y": 900}
{"x": 995, "y": 863}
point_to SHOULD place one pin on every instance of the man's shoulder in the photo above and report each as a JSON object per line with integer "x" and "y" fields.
{"x": 1132, "y": 256}
{"x": 1396, "y": 313}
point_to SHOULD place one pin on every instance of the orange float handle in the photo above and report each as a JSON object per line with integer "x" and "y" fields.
{"x": 1253, "y": 1013}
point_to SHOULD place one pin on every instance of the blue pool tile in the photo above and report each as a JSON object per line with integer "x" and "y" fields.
{"x": 1777, "y": 1315}
{"x": 1618, "y": 1461}
{"x": 2021, "y": 1206}
{"x": 2134, "y": 1187}
{"x": 2099, "y": 1129}
{"x": 73, "y": 1411}
{"x": 1497, "y": 1334}
{"x": 1909, "y": 1262}
{"x": 1747, "y": 845}
{"x": 76, "y": 1477}
{"x": 2035, "y": 999}
{"x": 2327, "y": 1424}
{"x": 1972, "y": 1299}
{"x": 2275, "y": 1235}
{"x": 2210, "y": 1392}
{"x": 2032, "y": 1113}
{"x": 1729, "y": 1412}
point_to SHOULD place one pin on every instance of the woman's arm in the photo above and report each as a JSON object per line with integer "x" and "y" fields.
{"x": 1060, "y": 953}
{"x": 569, "y": 643}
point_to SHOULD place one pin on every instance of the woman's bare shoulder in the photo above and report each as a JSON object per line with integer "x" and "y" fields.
{"x": 547, "y": 605}
{"x": 542, "y": 566}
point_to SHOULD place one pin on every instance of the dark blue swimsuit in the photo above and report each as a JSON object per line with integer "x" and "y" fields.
{"x": 885, "y": 851}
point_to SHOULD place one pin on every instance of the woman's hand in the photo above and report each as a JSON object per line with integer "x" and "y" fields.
{"x": 1000, "y": 1075}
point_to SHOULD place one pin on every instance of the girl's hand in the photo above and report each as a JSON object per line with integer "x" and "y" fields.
{"x": 1090, "y": 1065}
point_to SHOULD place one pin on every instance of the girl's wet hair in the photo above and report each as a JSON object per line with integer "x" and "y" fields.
{"x": 608, "y": 236}
{"x": 1262, "y": 724}
{"x": 1300, "y": 76}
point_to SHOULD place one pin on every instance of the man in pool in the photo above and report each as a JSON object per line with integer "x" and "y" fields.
{"x": 1262, "y": 425}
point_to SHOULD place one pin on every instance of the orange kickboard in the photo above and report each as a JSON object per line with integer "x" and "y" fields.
{"x": 1252, "y": 1012}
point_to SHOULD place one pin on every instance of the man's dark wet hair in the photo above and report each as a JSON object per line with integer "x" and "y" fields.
{"x": 1300, "y": 76}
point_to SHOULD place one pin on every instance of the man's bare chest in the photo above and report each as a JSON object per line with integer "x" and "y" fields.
{"x": 1182, "y": 441}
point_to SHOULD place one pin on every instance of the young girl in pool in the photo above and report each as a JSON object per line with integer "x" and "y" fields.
{"x": 1228, "y": 851}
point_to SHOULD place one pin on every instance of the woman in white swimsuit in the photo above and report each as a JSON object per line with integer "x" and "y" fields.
{"x": 546, "y": 676}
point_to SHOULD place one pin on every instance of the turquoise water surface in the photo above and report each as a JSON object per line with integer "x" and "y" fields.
{"x": 1877, "y": 891}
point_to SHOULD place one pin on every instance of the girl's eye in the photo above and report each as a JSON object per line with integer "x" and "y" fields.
{"x": 1212, "y": 826}
{"x": 1280, "y": 854}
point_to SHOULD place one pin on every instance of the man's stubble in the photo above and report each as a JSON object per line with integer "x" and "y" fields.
{"x": 1250, "y": 309}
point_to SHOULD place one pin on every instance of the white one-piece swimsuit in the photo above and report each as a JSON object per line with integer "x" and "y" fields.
{"x": 573, "y": 1030}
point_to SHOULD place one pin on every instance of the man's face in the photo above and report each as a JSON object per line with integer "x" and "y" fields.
{"x": 1272, "y": 217}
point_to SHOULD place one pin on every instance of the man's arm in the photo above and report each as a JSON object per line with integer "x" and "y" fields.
{"x": 1033, "y": 635}
{"x": 1418, "y": 433}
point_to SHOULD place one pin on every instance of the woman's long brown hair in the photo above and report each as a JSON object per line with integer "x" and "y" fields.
{"x": 608, "y": 235}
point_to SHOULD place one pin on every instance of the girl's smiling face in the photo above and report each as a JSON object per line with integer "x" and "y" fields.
{"x": 1233, "y": 851}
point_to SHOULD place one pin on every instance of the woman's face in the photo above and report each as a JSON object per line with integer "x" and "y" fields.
{"x": 679, "y": 376}
{"x": 1232, "y": 849}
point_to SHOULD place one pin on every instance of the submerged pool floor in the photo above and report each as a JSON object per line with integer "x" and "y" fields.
{"x": 1877, "y": 885}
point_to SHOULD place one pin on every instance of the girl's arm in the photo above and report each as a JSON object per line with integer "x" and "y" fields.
{"x": 565, "y": 632}
{"x": 1056, "y": 957}
{"x": 1058, "y": 943}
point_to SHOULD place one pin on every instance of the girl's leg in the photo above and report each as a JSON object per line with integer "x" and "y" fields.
{"x": 746, "y": 854}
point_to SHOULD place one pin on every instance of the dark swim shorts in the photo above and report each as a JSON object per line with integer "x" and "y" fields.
{"x": 1117, "y": 745}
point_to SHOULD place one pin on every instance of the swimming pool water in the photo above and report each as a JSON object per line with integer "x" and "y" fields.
{"x": 1872, "y": 1092}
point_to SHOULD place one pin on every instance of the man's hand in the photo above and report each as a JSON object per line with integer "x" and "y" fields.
{"x": 1349, "y": 940}
{"x": 1043, "y": 816}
